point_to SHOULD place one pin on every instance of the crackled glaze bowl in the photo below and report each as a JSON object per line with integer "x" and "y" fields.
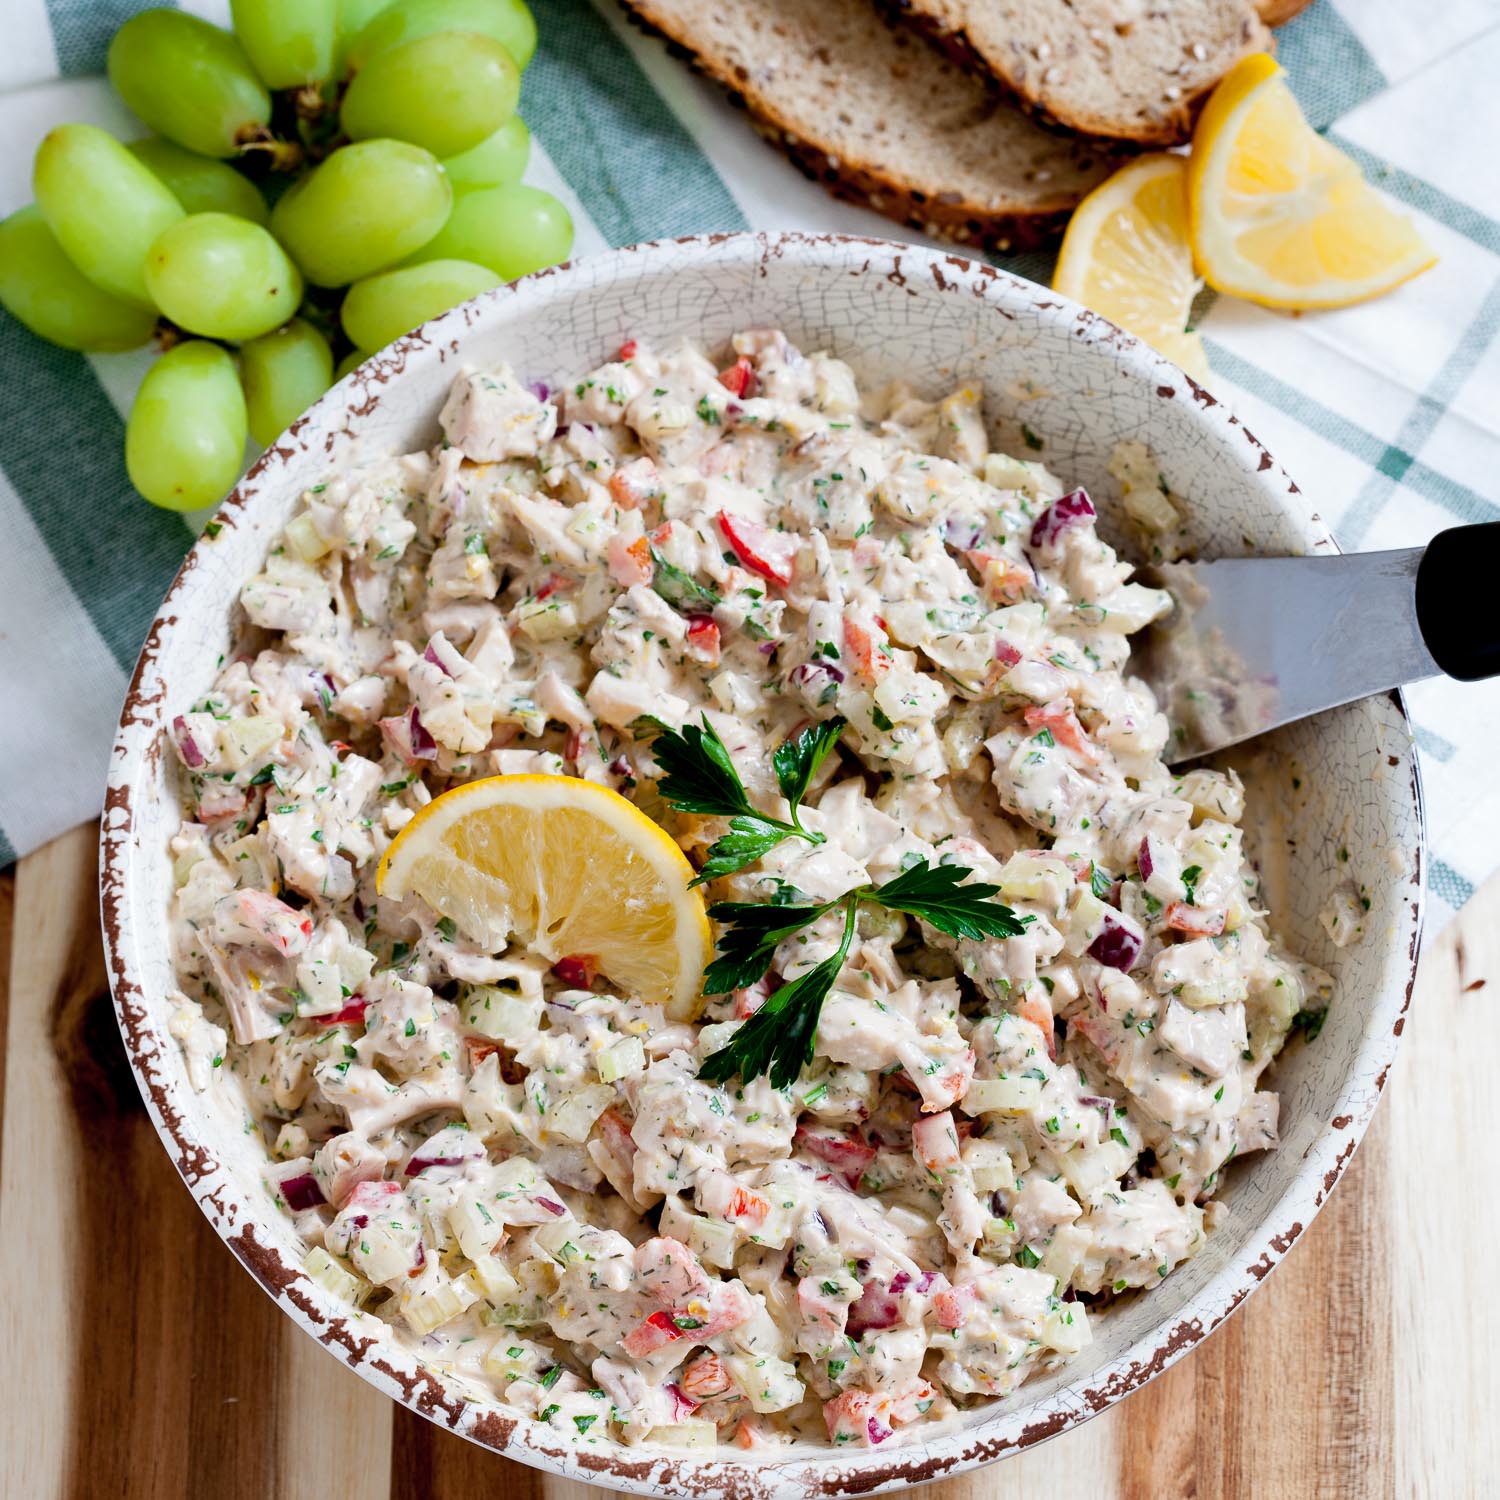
{"x": 1347, "y": 780}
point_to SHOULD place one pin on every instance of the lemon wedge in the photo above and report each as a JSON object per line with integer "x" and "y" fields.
{"x": 1279, "y": 216}
{"x": 571, "y": 870}
{"x": 1126, "y": 255}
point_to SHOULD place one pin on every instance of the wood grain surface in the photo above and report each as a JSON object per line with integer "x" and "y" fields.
{"x": 139, "y": 1362}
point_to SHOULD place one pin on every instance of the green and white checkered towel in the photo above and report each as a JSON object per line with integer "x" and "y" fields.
{"x": 1389, "y": 414}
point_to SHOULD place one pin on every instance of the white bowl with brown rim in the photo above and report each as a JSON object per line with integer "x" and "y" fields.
{"x": 1344, "y": 781}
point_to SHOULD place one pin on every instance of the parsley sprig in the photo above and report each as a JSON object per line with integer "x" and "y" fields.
{"x": 778, "y": 1039}
{"x": 701, "y": 778}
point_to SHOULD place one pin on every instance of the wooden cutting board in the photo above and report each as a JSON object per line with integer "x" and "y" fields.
{"x": 138, "y": 1361}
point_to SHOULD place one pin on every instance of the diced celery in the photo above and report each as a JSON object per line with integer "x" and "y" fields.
{"x": 490, "y": 1279}
{"x": 551, "y": 619}
{"x": 622, "y": 1059}
{"x": 501, "y": 1015}
{"x": 323, "y": 986}
{"x": 766, "y": 1382}
{"x": 334, "y": 1278}
{"x": 989, "y": 1165}
{"x": 1028, "y": 877}
{"x": 1002, "y": 1096}
{"x": 1067, "y": 1330}
{"x": 304, "y": 538}
{"x": 1085, "y": 922}
{"x": 243, "y": 739}
{"x": 573, "y": 1116}
{"x": 430, "y": 1300}
{"x": 694, "y": 1432}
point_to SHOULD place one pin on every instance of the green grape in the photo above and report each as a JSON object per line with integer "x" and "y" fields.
{"x": 507, "y": 21}
{"x": 512, "y": 230}
{"x": 41, "y": 287}
{"x": 103, "y": 205}
{"x": 223, "y": 277}
{"x": 290, "y": 42}
{"x": 353, "y": 17}
{"x": 351, "y": 361}
{"x": 189, "y": 81}
{"x": 185, "y": 440}
{"x": 496, "y": 161}
{"x": 381, "y": 308}
{"x": 199, "y": 183}
{"x": 283, "y": 373}
{"x": 366, "y": 207}
{"x": 444, "y": 93}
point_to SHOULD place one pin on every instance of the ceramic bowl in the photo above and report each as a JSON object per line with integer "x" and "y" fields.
{"x": 1080, "y": 386}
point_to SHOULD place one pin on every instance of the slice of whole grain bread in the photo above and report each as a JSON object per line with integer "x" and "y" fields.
{"x": 1129, "y": 69}
{"x": 880, "y": 118}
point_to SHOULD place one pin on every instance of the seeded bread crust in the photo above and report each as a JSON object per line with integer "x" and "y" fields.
{"x": 877, "y": 117}
{"x": 1077, "y": 63}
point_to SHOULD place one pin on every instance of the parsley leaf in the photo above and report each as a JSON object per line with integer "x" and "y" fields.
{"x": 778, "y": 1039}
{"x": 752, "y": 934}
{"x": 701, "y": 778}
{"x": 797, "y": 758}
{"x": 679, "y": 588}
{"x": 935, "y": 894}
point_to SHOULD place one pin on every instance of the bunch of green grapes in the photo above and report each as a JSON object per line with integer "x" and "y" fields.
{"x": 385, "y": 134}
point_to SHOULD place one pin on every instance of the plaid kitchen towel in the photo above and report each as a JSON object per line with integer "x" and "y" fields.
{"x": 1389, "y": 412}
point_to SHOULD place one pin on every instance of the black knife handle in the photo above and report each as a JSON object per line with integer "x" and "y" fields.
{"x": 1458, "y": 588}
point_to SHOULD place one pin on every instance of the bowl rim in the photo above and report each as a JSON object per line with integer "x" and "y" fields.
{"x": 1013, "y": 1425}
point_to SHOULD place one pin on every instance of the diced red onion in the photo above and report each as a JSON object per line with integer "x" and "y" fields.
{"x": 552, "y": 1206}
{"x": 302, "y": 1192}
{"x": 997, "y": 1204}
{"x": 962, "y": 533}
{"x": 419, "y": 1164}
{"x": 191, "y": 754}
{"x": 421, "y": 1256}
{"x": 1072, "y": 510}
{"x": 1143, "y": 859}
{"x": 423, "y": 746}
{"x": 1007, "y": 653}
{"x": 899, "y": 1282}
{"x": 806, "y": 671}
{"x": 1118, "y": 945}
{"x": 877, "y": 1429}
{"x": 1106, "y": 1107}
{"x": 769, "y": 648}
{"x": 430, "y": 655}
{"x": 540, "y": 389}
{"x": 925, "y": 1280}
{"x": 877, "y": 1308}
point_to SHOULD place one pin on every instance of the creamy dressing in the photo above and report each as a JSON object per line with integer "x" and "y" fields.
{"x": 521, "y": 1171}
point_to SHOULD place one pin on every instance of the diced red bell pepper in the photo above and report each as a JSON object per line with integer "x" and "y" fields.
{"x": 1058, "y": 717}
{"x": 1190, "y": 919}
{"x": 554, "y": 583}
{"x": 629, "y": 349}
{"x": 703, "y": 639}
{"x": 354, "y": 1011}
{"x": 740, "y": 378}
{"x": 657, "y": 1331}
{"x": 848, "y": 1154}
{"x": 771, "y": 554}
{"x": 577, "y": 970}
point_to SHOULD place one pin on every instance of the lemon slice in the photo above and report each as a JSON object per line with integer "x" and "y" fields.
{"x": 1280, "y": 217}
{"x": 1126, "y": 255}
{"x": 565, "y": 867}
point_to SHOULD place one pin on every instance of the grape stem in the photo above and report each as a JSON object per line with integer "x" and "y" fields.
{"x": 283, "y": 156}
